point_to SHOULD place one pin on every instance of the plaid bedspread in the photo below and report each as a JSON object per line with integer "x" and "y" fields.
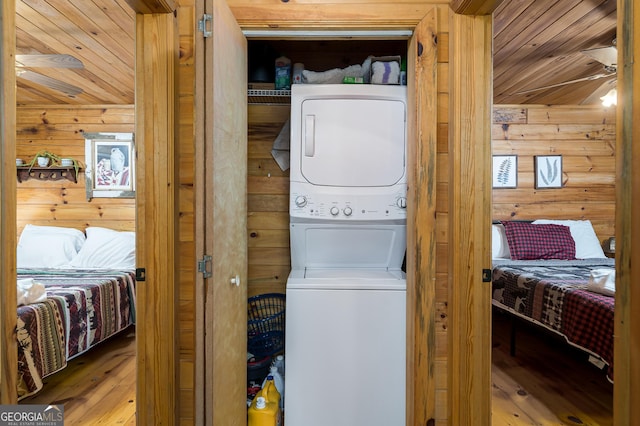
{"x": 553, "y": 294}
{"x": 83, "y": 308}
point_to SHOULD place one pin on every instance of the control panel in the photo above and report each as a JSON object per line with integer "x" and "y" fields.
{"x": 346, "y": 207}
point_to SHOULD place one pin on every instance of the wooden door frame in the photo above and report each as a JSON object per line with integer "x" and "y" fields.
{"x": 470, "y": 106}
{"x": 422, "y": 95}
{"x": 157, "y": 54}
{"x": 626, "y": 379}
{"x": 421, "y": 247}
{"x": 8, "y": 307}
{"x": 156, "y": 61}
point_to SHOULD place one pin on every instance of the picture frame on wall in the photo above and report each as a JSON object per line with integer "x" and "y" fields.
{"x": 548, "y": 169}
{"x": 110, "y": 160}
{"x": 505, "y": 171}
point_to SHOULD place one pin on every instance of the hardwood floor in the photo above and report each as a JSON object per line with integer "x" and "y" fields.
{"x": 98, "y": 387}
{"x": 543, "y": 385}
{"x": 547, "y": 383}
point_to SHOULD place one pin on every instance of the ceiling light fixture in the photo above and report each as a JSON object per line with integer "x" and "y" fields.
{"x": 611, "y": 98}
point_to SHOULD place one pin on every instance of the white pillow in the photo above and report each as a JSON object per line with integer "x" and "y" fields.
{"x": 499, "y": 244}
{"x": 47, "y": 246}
{"x": 587, "y": 242}
{"x": 107, "y": 249}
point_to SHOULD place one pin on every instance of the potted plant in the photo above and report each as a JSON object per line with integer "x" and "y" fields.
{"x": 46, "y": 158}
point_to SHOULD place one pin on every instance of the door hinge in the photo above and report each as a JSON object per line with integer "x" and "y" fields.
{"x": 204, "y": 266}
{"x": 203, "y": 27}
{"x": 141, "y": 274}
{"x": 487, "y": 275}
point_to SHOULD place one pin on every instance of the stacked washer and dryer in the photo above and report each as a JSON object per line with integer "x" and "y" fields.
{"x": 346, "y": 294}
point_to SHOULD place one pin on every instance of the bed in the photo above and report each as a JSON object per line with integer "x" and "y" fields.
{"x": 561, "y": 281}
{"x": 74, "y": 291}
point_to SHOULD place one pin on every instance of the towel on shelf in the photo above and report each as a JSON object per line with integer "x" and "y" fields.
{"x": 385, "y": 72}
{"x": 30, "y": 291}
{"x": 333, "y": 76}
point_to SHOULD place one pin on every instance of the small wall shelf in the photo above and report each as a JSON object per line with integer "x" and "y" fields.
{"x": 47, "y": 173}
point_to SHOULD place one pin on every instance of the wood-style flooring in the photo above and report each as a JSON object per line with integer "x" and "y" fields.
{"x": 544, "y": 384}
{"x": 547, "y": 383}
{"x": 98, "y": 387}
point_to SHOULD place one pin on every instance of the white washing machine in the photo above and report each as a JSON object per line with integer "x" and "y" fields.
{"x": 346, "y": 294}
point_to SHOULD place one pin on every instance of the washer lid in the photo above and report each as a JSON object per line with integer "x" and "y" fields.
{"x": 357, "y": 274}
{"x": 347, "y": 279}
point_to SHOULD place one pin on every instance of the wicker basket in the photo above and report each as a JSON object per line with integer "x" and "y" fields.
{"x": 265, "y": 326}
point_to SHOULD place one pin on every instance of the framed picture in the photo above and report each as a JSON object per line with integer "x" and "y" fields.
{"x": 548, "y": 171}
{"x": 505, "y": 171}
{"x": 110, "y": 160}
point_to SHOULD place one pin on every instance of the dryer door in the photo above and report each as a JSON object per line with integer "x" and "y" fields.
{"x": 353, "y": 142}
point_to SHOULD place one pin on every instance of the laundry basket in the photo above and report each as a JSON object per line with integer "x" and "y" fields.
{"x": 265, "y": 325}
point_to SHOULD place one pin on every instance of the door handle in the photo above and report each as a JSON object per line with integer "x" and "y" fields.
{"x": 309, "y": 135}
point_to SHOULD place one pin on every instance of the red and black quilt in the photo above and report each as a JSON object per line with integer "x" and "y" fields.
{"x": 553, "y": 293}
{"x": 83, "y": 308}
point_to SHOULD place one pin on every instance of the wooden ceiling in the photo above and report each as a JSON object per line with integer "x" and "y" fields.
{"x": 99, "y": 33}
{"x": 536, "y": 43}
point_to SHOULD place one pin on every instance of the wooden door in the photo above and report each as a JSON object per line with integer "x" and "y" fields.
{"x": 8, "y": 344}
{"x": 224, "y": 219}
{"x": 422, "y": 126}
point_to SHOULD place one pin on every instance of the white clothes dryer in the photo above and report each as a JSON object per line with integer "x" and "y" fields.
{"x": 345, "y": 340}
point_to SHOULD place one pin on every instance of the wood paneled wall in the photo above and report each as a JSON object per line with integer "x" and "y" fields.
{"x": 268, "y": 203}
{"x": 64, "y": 203}
{"x": 585, "y": 137}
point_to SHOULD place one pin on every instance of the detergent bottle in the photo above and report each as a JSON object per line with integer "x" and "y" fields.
{"x": 265, "y": 408}
{"x": 278, "y": 381}
{"x": 283, "y": 73}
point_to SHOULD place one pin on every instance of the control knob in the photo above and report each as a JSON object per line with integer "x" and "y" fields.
{"x": 402, "y": 202}
{"x": 301, "y": 201}
{"x": 334, "y": 211}
{"x": 347, "y": 211}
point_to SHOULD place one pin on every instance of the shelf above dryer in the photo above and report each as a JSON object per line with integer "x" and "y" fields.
{"x": 268, "y": 96}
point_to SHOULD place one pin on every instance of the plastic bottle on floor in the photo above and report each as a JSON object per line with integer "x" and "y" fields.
{"x": 278, "y": 380}
{"x": 265, "y": 408}
{"x": 279, "y": 362}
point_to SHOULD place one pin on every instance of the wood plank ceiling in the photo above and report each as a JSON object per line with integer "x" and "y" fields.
{"x": 99, "y": 33}
{"x": 536, "y": 43}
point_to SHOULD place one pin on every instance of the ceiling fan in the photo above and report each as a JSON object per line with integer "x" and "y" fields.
{"x": 607, "y": 56}
{"x": 48, "y": 61}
